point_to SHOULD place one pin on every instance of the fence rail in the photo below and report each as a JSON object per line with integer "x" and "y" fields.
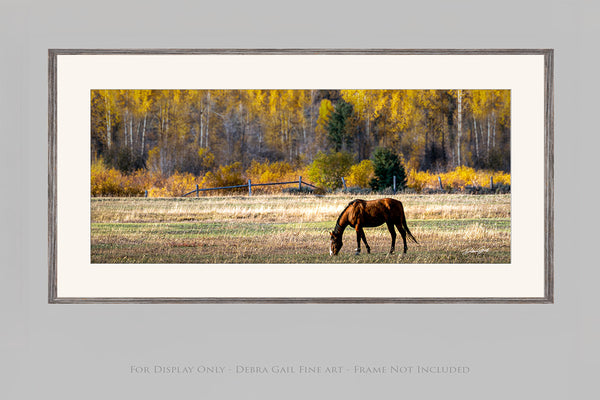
{"x": 197, "y": 190}
{"x": 249, "y": 185}
{"x": 301, "y": 183}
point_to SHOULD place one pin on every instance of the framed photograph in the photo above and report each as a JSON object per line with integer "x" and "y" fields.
{"x": 301, "y": 176}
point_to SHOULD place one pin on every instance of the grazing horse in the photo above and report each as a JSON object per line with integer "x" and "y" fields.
{"x": 360, "y": 214}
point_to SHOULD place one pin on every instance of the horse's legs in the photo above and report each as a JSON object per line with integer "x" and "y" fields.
{"x": 393, "y": 233}
{"x": 360, "y": 234}
{"x": 364, "y": 238}
{"x": 403, "y": 234}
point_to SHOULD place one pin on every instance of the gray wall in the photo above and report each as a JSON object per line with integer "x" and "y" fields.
{"x": 86, "y": 351}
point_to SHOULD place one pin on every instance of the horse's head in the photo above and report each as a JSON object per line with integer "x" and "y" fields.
{"x": 336, "y": 243}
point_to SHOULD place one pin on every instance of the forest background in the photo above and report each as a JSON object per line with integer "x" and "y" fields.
{"x": 167, "y": 141}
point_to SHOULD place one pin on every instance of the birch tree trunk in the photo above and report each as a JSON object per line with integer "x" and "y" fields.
{"x": 487, "y": 149}
{"x": 131, "y": 133}
{"x": 125, "y": 134}
{"x": 244, "y": 126}
{"x": 476, "y": 138}
{"x": 493, "y": 130}
{"x": 201, "y": 127}
{"x": 459, "y": 126}
{"x": 207, "y": 122}
{"x": 108, "y": 122}
{"x": 143, "y": 137}
{"x": 367, "y": 126}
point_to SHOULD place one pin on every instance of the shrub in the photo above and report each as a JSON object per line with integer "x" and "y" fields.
{"x": 460, "y": 179}
{"x": 271, "y": 172}
{"x": 111, "y": 182}
{"x": 361, "y": 174}
{"x": 327, "y": 170}
{"x": 501, "y": 178}
{"x": 179, "y": 184}
{"x": 420, "y": 180}
{"x": 386, "y": 165}
{"x": 268, "y": 172}
{"x": 225, "y": 175}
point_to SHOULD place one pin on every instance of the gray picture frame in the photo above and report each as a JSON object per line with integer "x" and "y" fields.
{"x": 548, "y": 54}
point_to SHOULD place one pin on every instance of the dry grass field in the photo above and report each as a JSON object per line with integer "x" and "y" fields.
{"x": 450, "y": 228}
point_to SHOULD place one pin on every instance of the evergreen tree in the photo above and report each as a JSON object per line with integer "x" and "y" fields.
{"x": 339, "y": 124}
{"x": 386, "y": 165}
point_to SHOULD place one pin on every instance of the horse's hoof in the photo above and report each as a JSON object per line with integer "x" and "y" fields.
{"x": 368, "y": 251}
{"x": 357, "y": 253}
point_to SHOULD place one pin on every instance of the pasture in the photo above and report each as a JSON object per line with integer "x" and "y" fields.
{"x": 450, "y": 228}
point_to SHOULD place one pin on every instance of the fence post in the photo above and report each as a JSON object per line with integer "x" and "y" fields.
{"x": 344, "y": 183}
{"x": 492, "y": 182}
{"x": 197, "y": 190}
{"x": 394, "y": 184}
{"x": 440, "y": 182}
{"x": 249, "y": 187}
{"x": 300, "y": 184}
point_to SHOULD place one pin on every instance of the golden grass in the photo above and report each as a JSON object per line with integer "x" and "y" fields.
{"x": 289, "y": 208}
{"x": 294, "y": 229}
{"x": 300, "y": 244}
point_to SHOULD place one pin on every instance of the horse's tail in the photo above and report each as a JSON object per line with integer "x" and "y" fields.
{"x": 410, "y": 235}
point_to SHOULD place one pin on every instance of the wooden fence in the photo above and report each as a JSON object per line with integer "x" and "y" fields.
{"x": 441, "y": 186}
{"x": 299, "y": 182}
{"x": 249, "y": 185}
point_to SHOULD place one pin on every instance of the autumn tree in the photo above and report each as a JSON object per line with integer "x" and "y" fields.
{"x": 197, "y": 131}
{"x": 104, "y": 119}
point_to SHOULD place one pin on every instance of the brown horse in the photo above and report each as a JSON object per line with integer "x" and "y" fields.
{"x": 360, "y": 214}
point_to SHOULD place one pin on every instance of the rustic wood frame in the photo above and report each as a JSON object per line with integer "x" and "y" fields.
{"x": 548, "y": 172}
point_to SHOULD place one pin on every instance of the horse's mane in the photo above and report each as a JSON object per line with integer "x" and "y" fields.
{"x": 337, "y": 223}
